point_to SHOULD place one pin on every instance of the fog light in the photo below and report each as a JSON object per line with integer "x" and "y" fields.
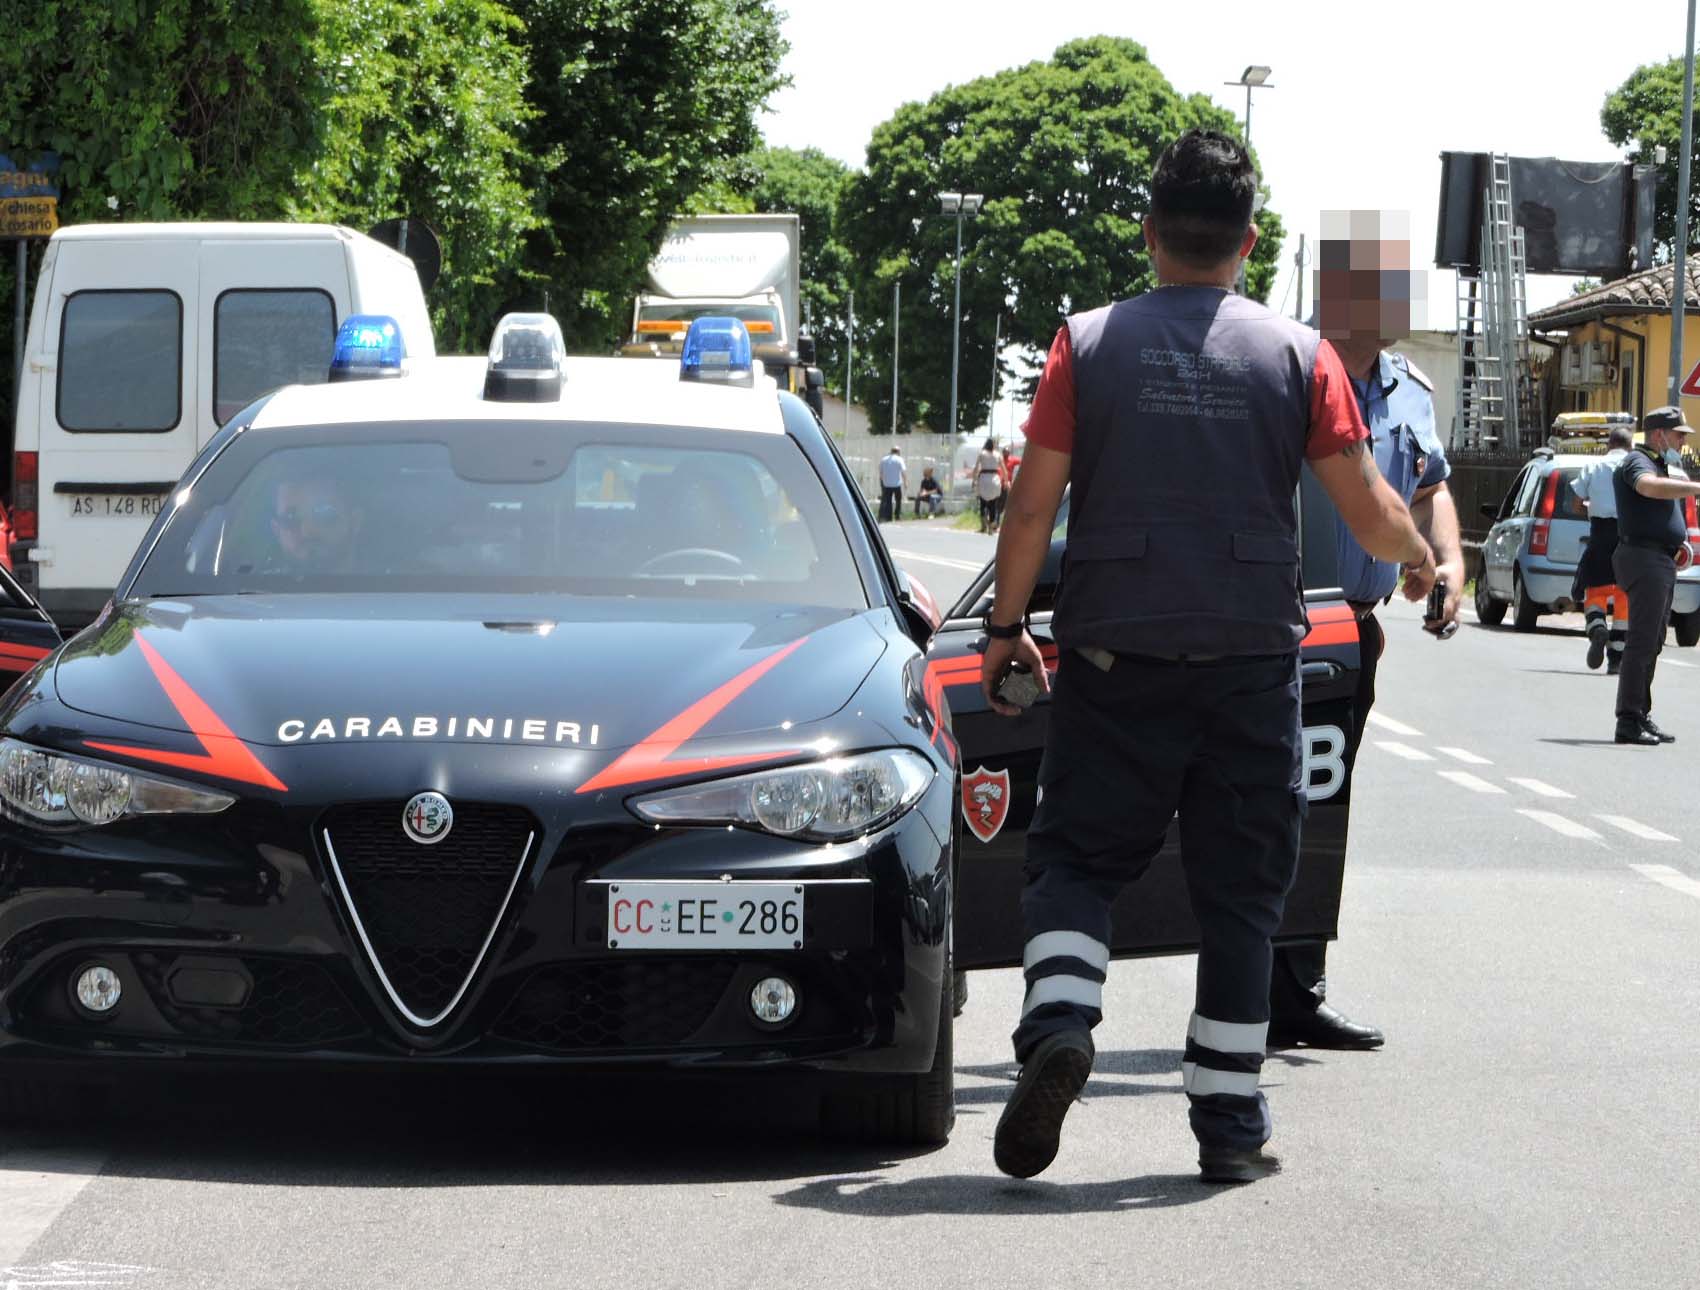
{"x": 773, "y": 1000}
{"x": 99, "y": 989}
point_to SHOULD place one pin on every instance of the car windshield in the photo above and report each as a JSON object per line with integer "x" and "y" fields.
{"x": 508, "y": 507}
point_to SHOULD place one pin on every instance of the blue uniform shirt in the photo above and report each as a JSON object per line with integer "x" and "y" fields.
{"x": 1397, "y": 409}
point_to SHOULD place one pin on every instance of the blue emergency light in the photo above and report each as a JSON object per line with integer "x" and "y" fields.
{"x": 717, "y": 350}
{"x": 368, "y": 347}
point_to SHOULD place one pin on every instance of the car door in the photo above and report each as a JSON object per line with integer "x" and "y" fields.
{"x": 1499, "y": 549}
{"x": 1000, "y": 763}
{"x": 27, "y": 633}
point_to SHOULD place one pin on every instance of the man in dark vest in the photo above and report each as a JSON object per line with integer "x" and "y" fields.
{"x": 1650, "y": 531}
{"x": 1179, "y": 421}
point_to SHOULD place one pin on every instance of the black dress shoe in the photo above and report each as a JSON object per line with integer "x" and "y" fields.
{"x": 1226, "y": 1165}
{"x": 1322, "y": 1028}
{"x": 1031, "y": 1124}
{"x": 1648, "y": 725}
{"x": 1635, "y": 733}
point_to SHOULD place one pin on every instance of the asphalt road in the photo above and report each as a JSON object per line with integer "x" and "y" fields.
{"x": 1522, "y": 912}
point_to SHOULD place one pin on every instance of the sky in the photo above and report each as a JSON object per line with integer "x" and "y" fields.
{"x": 1361, "y": 102}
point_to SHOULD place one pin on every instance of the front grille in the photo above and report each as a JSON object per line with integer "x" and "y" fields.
{"x": 616, "y": 1003}
{"x": 427, "y": 910}
{"x": 291, "y": 1005}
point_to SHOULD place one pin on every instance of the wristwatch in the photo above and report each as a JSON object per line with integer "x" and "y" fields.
{"x": 1009, "y": 633}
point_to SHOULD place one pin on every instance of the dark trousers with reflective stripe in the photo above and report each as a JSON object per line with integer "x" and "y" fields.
{"x": 1129, "y": 748}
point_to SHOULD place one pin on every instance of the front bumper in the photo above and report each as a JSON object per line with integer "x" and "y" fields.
{"x": 233, "y": 949}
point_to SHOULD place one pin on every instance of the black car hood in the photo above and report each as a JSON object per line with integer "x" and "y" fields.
{"x": 568, "y": 672}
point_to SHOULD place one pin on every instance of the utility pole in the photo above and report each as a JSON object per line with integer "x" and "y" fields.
{"x": 1299, "y": 309}
{"x": 992, "y": 412}
{"x": 1679, "y": 283}
{"x": 849, "y": 360}
{"x": 896, "y": 323}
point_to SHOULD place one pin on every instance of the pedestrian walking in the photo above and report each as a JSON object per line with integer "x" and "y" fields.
{"x": 1650, "y": 533}
{"x": 990, "y": 480}
{"x": 893, "y": 474}
{"x": 1604, "y": 604}
{"x": 1178, "y": 421}
{"x": 1363, "y": 308}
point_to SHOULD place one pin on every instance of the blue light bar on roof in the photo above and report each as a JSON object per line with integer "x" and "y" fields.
{"x": 368, "y": 346}
{"x": 717, "y": 350}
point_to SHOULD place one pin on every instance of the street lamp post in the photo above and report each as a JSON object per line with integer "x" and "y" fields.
{"x": 1679, "y": 270}
{"x": 961, "y": 205}
{"x": 1255, "y": 77}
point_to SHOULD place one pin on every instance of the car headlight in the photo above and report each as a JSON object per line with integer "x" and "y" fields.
{"x": 821, "y": 801}
{"x": 49, "y": 788}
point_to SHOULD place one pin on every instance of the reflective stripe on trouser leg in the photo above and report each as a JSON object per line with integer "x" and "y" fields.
{"x": 1065, "y": 983}
{"x": 1223, "y": 1057}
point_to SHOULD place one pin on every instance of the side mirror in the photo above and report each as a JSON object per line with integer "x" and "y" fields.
{"x": 806, "y": 349}
{"x": 920, "y": 611}
{"x": 1491, "y": 512}
{"x": 814, "y": 392}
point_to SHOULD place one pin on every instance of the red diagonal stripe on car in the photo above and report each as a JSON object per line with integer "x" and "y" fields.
{"x": 652, "y": 758}
{"x": 223, "y": 753}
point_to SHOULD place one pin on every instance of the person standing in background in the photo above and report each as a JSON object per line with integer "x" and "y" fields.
{"x": 893, "y": 475}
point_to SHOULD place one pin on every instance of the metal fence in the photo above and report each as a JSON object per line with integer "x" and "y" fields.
{"x": 862, "y": 452}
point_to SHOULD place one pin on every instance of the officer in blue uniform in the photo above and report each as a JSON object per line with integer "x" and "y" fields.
{"x": 1363, "y": 306}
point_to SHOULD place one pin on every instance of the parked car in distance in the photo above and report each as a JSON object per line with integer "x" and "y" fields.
{"x": 1539, "y": 531}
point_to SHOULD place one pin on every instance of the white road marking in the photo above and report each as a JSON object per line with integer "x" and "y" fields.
{"x": 35, "y": 1187}
{"x": 1466, "y": 756}
{"x": 1636, "y": 828}
{"x": 943, "y": 561}
{"x": 1475, "y": 783}
{"x": 1672, "y": 878}
{"x": 1558, "y": 824}
{"x": 1403, "y": 750}
{"x": 1396, "y": 727}
{"x": 70, "y": 1272}
{"x": 1540, "y": 787}
{"x": 1674, "y": 662}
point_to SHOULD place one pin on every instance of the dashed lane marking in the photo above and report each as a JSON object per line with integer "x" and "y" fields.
{"x": 1466, "y": 756}
{"x": 1672, "y": 878}
{"x": 1475, "y": 783}
{"x": 1559, "y": 824}
{"x": 1540, "y": 787}
{"x": 1402, "y": 750}
{"x": 1676, "y": 662}
{"x": 1395, "y": 727}
{"x": 35, "y": 1188}
{"x": 1636, "y": 828}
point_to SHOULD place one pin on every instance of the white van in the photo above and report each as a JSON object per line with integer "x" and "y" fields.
{"x": 144, "y": 339}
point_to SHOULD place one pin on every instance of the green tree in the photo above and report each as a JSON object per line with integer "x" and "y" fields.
{"x": 1645, "y": 113}
{"x": 1063, "y": 151}
{"x": 640, "y": 105}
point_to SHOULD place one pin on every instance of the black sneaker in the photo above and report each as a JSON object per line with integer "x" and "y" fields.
{"x": 1614, "y": 664}
{"x": 1226, "y": 1165}
{"x": 1031, "y": 1124}
{"x": 1596, "y": 645}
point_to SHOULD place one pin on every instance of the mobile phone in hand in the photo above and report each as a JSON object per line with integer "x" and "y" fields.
{"x": 1435, "y": 610}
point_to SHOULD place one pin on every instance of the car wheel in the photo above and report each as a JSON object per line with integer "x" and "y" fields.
{"x": 1524, "y": 612}
{"x": 1687, "y": 628}
{"x": 1488, "y": 610}
{"x": 900, "y": 1110}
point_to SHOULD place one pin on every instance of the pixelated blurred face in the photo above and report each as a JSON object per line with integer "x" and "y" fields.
{"x": 314, "y": 522}
{"x": 1364, "y": 283}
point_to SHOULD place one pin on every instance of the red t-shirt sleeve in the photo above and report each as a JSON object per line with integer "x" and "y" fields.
{"x": 1050, "y": 423}
{"x": 1335, "y": 422}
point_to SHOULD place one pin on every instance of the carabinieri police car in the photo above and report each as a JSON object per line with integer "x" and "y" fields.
{"x": 537, "y": 711}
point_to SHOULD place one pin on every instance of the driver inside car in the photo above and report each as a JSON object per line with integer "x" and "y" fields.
{"x": 315, "y": 525}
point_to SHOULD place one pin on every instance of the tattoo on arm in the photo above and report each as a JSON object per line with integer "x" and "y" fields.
{"x": 1365, "y": 459}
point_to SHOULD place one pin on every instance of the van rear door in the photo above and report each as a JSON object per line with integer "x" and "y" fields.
{"x": 118, "y": 416}
{"x": 269, "y": 312}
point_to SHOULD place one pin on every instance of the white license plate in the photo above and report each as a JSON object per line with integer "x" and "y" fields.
{"x": 705, "y": 915}
{"x": 105, "y": 505}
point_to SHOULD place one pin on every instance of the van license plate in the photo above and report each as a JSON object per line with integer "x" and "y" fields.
{"x": 705, "y": 915}
{"x": 146, "y": 505}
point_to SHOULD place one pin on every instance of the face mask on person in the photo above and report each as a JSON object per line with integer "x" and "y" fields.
{"x": 1673, "y": 458}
